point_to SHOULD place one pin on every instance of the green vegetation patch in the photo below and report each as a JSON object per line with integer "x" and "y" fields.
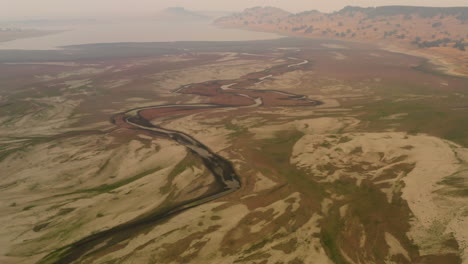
{"x": 430, "y": 116}
{"x": 237, "y": 130}
{"x": 22, "y": 147}
{"x": 457, "y": 183}
{"x": 369, "y": 211}
{"x": 29, "y": 207}
{"x": 276, "y": 154}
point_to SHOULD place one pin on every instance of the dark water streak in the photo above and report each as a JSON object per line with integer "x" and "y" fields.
{"x": 222, "y": 170}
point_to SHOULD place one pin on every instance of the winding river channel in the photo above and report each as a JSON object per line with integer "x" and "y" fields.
{"x": 222, "y": 169}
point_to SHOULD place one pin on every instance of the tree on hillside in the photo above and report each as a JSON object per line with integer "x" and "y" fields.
{"x": 309, "y": 30}
{"x": 389, "y": 33}
{"x": 460, "y": 44}
{"x": 437, "y": 43}
{"x": 299, "y": 28}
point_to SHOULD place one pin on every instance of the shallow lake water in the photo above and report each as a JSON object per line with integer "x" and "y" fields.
{"x": 133, "y": 31}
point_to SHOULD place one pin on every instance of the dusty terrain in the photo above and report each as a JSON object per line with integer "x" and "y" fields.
{"x": 375, "y": 173}
{"x": 437, "y": 33}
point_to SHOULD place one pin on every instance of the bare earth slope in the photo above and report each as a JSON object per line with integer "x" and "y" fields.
{"x": 439, "y": 33}
{"x": 345, "y": 153}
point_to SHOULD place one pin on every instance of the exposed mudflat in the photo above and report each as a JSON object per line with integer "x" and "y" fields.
{"x": 374, "y": 173}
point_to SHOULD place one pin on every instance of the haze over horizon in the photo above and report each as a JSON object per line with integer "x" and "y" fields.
{"x": 59, "y": 9}
{"x": 234, "y": 132}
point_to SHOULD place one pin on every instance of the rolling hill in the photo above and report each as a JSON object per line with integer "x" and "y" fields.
{"x": 180, "y": 13}
{"x": 440, "y": 32}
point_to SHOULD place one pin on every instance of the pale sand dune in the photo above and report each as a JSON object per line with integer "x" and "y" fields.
{"x": 286, "y": 112}
{"x": 214, "y": 230}
{"x": 339, "y": 56}
{"x": 344, "y": 210}
{"x": 246, "y": 121}
{"x": 172, "y": 231}
{"x": 90, "y": 212}
{"x": 308, "y": 247}
{"x": 136, "y": 99}
{"x": 310, "y": 251}
{"x": 395, "y": 246}
{"x": 288, "y": 81}
{"x": 263, "y": 183}
{"x": 395, "y": 116}
{"x": 116, "y": 83}
{"x": 183, "y": 183}
{"x": 435, "y": 215}
{"x": 307, "y": 126}
{"x": 334, "y": 46}
{"x": 73, "y": 84}
{"x": 46, "y": 116}
{"x": 66, "y": 74}
{"x": 216, "y": 137}
{"x": 227, "y": 56}
{"x": 276, "y": 209}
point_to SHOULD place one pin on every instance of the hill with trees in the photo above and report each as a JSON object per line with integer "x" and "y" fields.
{"x": 442, "y": 31}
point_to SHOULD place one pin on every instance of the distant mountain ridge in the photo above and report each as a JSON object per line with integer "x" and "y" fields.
{"x": 434, "y": 30}
{"x": 421, "y": 26}
{"x": 180, "y": 13}
{"x": 460, "y": 13}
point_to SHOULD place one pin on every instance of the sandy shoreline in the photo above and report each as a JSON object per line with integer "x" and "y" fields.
{"x": 446, "y": 65}
{"x": 11, "y": 36}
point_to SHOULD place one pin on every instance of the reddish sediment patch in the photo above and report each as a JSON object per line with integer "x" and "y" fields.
{"x": 153, "y": 113}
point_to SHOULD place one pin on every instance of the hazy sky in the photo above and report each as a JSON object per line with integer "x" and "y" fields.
{"x": 87, "y": 8}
